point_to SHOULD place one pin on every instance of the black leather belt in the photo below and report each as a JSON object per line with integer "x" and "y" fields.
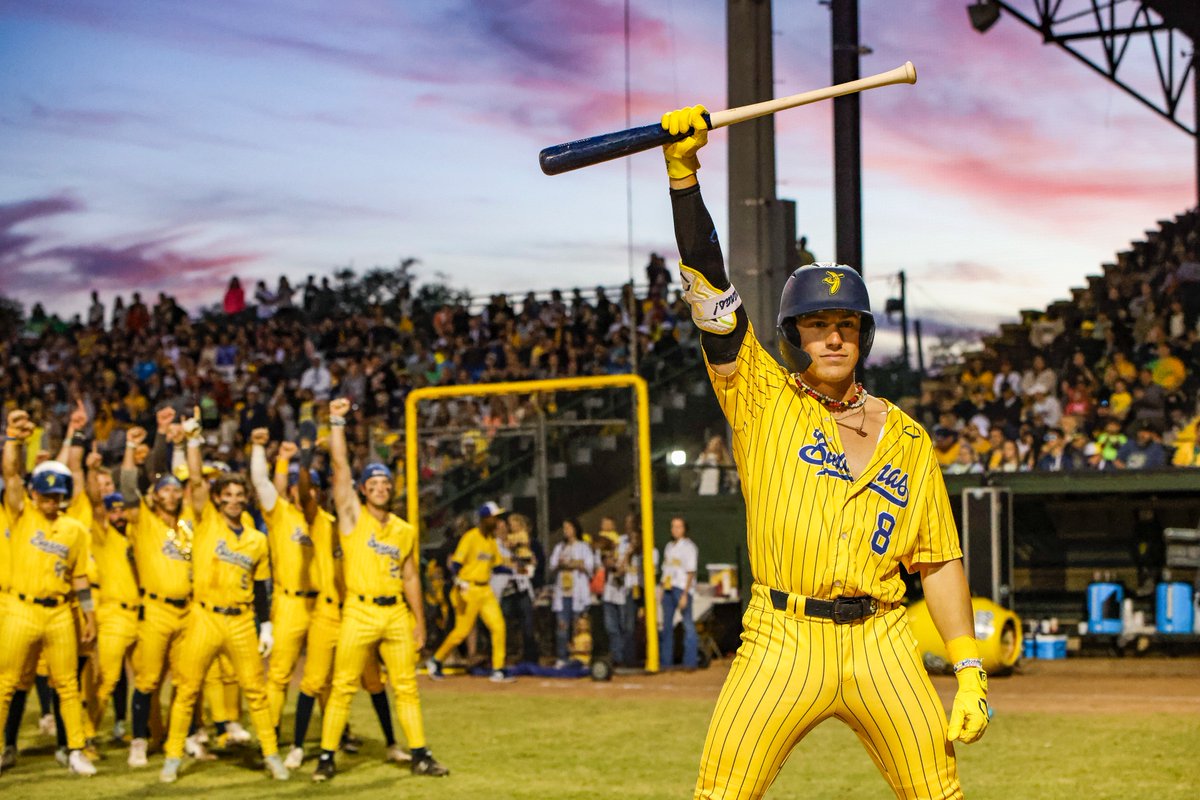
{"x": 125, "y": 606}
{"x": 229, "y": 611}
{"x": 390, "y": 600}
{"x": 48, "y": 602}
{"x": 290, "y": 593}
{"x": 178, "y": 602}
{"x": 841, "y": 610}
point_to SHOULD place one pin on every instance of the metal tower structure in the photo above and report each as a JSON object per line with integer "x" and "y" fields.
{"x": 1101, "y": 33}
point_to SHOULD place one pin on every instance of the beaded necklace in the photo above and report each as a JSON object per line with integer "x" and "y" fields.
{"x": 856, "y": 400}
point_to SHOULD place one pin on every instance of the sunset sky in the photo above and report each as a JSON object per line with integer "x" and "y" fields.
{"x": 169, "y": 145}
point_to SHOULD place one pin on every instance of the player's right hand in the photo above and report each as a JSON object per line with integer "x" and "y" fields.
{"x": 191, "y": 425}
{"x": 339, "y": 407}
{"x": 288, "y": 450}
{"x": 135, "y": 436}
{"x": 681, "y": 155}
{"x": 260, "y": 436}
{"x": 164, "y": 417}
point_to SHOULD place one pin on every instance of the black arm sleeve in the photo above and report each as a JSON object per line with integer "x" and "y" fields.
{"x": 159, "y": 460}
{"x": 262, "y": 602}
{"x": 700, "y": 249}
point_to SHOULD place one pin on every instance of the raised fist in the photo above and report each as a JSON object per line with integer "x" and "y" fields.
{"x": 681, "y": 155}
{"x": 135, "y": 436}
{"x": 164, "y": 418}
{"x": 94, "y": 460}
{"x": 79, "y": 418}
{"x": 260, "y": 436}
{"x": 191, "y": 425}
{"x": 288, "y": 450}
{"x": 20, "y": 426}
{"x": 339, "y": 407}
{"x": 175, "y": 433}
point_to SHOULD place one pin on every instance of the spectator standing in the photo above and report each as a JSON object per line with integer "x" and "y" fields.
{"x": 712, "y": 464}
{"x": 517, "y": 601}
{"x": 572, "y": 564}
{"x": 678, "y": 584}
{"x": 96, "y": 312}
{"x": 615, "y": 595}
{"x": 235, "y": 298}
{"x": 317, "y": 379}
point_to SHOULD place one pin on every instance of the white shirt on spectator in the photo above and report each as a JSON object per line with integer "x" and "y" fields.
{"x": 680, "y": 557}
{"x": 318, "y": 380}
{"x": 615, "y": 590}
{"x": 572, "y": 583}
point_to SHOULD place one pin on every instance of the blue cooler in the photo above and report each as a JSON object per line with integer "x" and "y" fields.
{"x": 1104, "y": 607}
{"x": 1052, "y": 647}
{"x": 1174, "y": 608}
{"x": 1029, "y": 647}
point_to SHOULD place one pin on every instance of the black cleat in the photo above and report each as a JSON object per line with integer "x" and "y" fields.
{"x": 428, "y": 766}
{"x": 324, "y": 771}
{"x": 350, "y": 743}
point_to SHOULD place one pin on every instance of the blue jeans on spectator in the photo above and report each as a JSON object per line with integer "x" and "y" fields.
{"x": 518, "y": 615}
{"x": 565, "y": 629}
{"x": 666, "y": 643}
{"x": 620, "y": 637}
{"x": 629, "y": 628}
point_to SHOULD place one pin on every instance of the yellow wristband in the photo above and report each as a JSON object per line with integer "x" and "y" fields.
{"x": 962, "y": 647}
{"x": 282, "y": 464}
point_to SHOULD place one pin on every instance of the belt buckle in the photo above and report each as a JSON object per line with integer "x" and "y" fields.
{"x": 850, "y": 609}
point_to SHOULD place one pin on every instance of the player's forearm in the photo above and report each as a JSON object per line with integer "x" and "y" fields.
{"x": 129, "y": 484}
{"x": 413, "y": 595}
{"x": 14, "y": 493}
{"x": 339, "y": 462}
{"x": 949, "y": 599}
{"x": 259, "y": 476}
{"x": 196, "y": 482}
{"x": 700, "y": 250}
{"x": 158, "y": 462}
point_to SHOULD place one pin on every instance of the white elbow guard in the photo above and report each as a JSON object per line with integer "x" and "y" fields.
{"x": 712, "y": 309}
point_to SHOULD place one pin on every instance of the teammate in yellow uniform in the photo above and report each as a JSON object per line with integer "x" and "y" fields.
{"x": 47, "y": 560}
{"x": 117, "y": 611}
{"x": 326, "y": 623}
{"x": 293, "y": 570}
{"x": 161, "y": 529}
{"x": 476, "y": 556}
{"x": 380, "y": 556}
{"x": 841, "y": 488}
{"x": 231, "y": 564}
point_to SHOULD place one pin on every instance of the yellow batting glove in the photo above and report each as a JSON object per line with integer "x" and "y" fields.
{"x": 970, "y": 714}
{"x": 681, "y": 155}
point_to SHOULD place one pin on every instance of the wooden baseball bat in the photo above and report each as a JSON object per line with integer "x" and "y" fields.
{"x": 605, "y": 147}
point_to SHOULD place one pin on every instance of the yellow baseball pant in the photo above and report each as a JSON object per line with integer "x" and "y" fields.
{"x": 365, "y": 626}
{"x": 28, "y": 626}
{"x": 793, "y": 672}
{"x": 209, "y": 634}
{"x": 159, "y": 635}
{"x": 291, "y": 618}
{"x": 116, "y": 634}
{"x": 221, "y": 690}
{"x": 477, "y": 602}
{"x": 317, "y": 677}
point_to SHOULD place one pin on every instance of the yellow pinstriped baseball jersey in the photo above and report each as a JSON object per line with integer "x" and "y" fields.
{"x": 292, "y": 564}
{"x": 163, "y": 567}
{"x": 46, "y": 556}
{"x": 373, "y": 554}
{"x": 813, "y": 528}
{"x": 225, "y": 565}
{"x": 477, "y": 554}
{"x": 327, "y": 559}
{"x": 80, "y": 510}
{"x": 112, "y": 555}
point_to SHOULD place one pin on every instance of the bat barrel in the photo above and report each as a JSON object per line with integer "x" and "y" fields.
{"x": 596, "y": 149}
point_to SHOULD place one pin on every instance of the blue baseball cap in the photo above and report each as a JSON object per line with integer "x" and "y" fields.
{"x": 294, "y": 475}
{"x": 167, "y": 479}
{"x": 490, "y": 509}
{"x": 374, "y": 470}
{"x": 114, "y": 500}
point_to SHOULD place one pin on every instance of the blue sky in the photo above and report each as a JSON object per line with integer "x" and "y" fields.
{"x": 168, "y": 145}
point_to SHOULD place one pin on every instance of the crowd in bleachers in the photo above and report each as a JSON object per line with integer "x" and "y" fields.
{"x": 1108, "y": 381}
{"x": 275, "y": 357}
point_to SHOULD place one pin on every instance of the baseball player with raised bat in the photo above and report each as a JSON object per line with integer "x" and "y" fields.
{"x": 841, "y": 488}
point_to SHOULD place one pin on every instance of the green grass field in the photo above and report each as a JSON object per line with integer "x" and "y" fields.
{"x": 502, "y": 745}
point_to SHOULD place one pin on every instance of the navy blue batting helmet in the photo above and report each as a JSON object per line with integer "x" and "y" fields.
{"x": 52, "y": 477}
{"x": 822, "y": 287}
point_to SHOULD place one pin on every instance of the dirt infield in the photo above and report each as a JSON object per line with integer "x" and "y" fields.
{"x": 1082, "y": 685}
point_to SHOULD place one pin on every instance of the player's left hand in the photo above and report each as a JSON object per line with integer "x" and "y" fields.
{"x": 266, "y": 640}
{"x": 969, "y": 716}
{"x": 79, "y": 417}
{"x": 681, "y": 155}
{"x": 287, "y": 450}
{"x": 418, "y": 637}
{"x": 87, "y": 633}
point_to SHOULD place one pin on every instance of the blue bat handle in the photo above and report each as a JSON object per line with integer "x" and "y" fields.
{"x": 584, "y": 152}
